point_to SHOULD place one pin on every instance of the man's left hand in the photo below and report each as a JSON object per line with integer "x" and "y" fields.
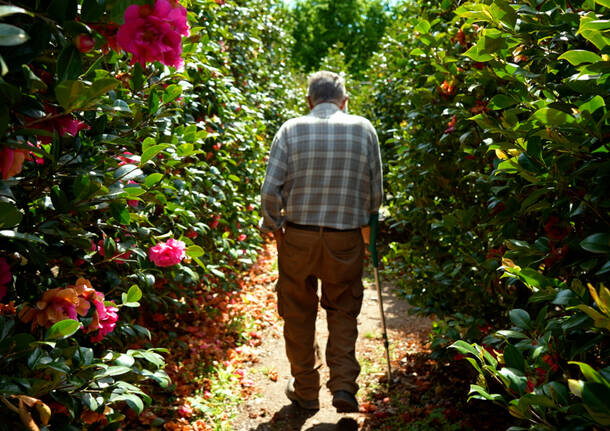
{"x": 279, "y": 237}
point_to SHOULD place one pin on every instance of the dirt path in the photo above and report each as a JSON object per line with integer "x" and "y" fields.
{"x": 268, "y": 409}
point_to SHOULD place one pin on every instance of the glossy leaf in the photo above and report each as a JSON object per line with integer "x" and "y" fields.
{"x": 11, "y": 35}
{"x": 62, "y": 329}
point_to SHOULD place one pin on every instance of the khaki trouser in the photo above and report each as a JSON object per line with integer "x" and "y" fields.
{"x": 336, "y": 259}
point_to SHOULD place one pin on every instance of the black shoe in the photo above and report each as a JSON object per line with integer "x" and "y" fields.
{"x": 304, "y": 404}
{"x": 345, "y": 402}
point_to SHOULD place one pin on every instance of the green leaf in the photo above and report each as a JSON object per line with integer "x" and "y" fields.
{"x": 604, "y": 269}
{"x": 533, "y": 278}
{"x": 89, "y": 400}
{"x": 172, "y": 92}
{"x": 604, "y": 3}
{"x": 153, "y": 179}
{"x": 479, "y": 390}
{"x": 109, "y": 247}
{"x": 127, "y": 172}
{"x": 597, "y": 243}
{"x": 60, "y": 200}
{"x": 587, "y": 370}
{"x": 194, "y": 251}
{"x": 134, "y": 294}
{"x": 517, "y": 380}
{"x": 501, "y": 101}
{"x": 10, "y": 10}
{"x": 595, "y": 398}
{"x": 101, "y": 87}
{"x": 592, "y": 105}
{"x": 520, "y": 318}
{"x": 22, "y": 236}
{"x": 125, "y": 360}
{"x": 3, "y": 67}
{"x": 34, "y": 83}
{"x": 62, "y": 329}
{"x": 134, "y": 402}
{"x": 423, "y": 26}
{"x": 149, "y": 355}
{"x": 120, "y": 212}
{"x": 10, "y": 216}
{"x": 599, "y": 320}
{"x": 513, "y": 358}
{"x": 503, "y": 12}
{"x": 478, "y": 53}
{"x": 92, "y": 10}
{"x": 508, "y": 333}
{"x": 552, "y": 117}
{"x": 593, "y": 30}
{"x": 112, "y": 371}
{"x": 465, "y": 348}
{"x": 151, "y": 152}
{"x": 11, "y": 35}
{"x": 69, "y": 63}
{"x": 579, "y": 56}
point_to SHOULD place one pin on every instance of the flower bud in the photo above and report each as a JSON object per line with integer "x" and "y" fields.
{"x": 84, "y": 42}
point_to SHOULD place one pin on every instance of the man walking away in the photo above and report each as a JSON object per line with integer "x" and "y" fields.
{"x": 323, "y": 182}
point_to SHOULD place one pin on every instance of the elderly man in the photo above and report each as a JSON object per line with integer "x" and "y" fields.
{"x": 323, "y": 182}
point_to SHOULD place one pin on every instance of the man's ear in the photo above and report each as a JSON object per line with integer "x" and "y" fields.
{"x": 309, "y": 103}
{"x": 343, "y": 103}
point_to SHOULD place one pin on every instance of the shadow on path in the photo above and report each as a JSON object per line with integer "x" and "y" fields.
{"x": 292, "y": 418}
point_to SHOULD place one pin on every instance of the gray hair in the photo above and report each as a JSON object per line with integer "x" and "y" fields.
{"x": 326, "y": 86}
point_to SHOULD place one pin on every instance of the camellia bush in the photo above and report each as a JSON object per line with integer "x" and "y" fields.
{"x": 132, "y": 135}
{"x": 495, "y": 129}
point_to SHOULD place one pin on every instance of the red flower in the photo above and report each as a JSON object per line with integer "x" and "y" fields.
{"x": 11, "y": 162}
{"x": 451, "y": 125}
{"x": 84, "y": 43}
{"x": 108, "y": 31}
{"x": 242, "y": 237}
{"x": 556, "y": 230}
{"x": 446, "y": 89}
{"x": 214, "y": 223}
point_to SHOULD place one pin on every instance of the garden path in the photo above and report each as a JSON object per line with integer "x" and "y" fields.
{"x": 268, "y": 409}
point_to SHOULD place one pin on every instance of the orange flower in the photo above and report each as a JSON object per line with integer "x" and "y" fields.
{"x": 60, "y": 304}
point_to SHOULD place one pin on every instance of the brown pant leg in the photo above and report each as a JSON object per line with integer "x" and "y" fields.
{"x": 298, "y": 306}
{"x": 342, "y": 292}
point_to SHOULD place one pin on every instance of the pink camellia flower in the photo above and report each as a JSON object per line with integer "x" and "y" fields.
{"x": 242, "y": 237}
{"x": 125, "y": 160}
{"x": 63, "y": 124}
{"x": 5, "y": 272}
{"x": 33, "y": 156}
{"x": 154, "y": 34}
{"x": 107, "y": 321}
{"x": 5, "y": 277}
{"x": 11, "y": 162}
{"x": 167, "y": 253}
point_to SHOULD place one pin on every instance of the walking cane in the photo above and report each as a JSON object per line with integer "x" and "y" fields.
{"x": 374, "y": 225}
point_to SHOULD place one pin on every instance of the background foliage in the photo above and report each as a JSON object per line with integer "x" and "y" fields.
{"x": 120, "y": 157}
{"x": 495, "y": 132}
{"x": 354, "y": 25}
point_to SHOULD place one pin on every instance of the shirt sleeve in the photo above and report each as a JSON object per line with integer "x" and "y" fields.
{"x": 376, "y": 172}
{"x": 271, "y": 190}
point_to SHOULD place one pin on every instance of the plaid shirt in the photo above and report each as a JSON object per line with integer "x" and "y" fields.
{"x": 324, "y": 169}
